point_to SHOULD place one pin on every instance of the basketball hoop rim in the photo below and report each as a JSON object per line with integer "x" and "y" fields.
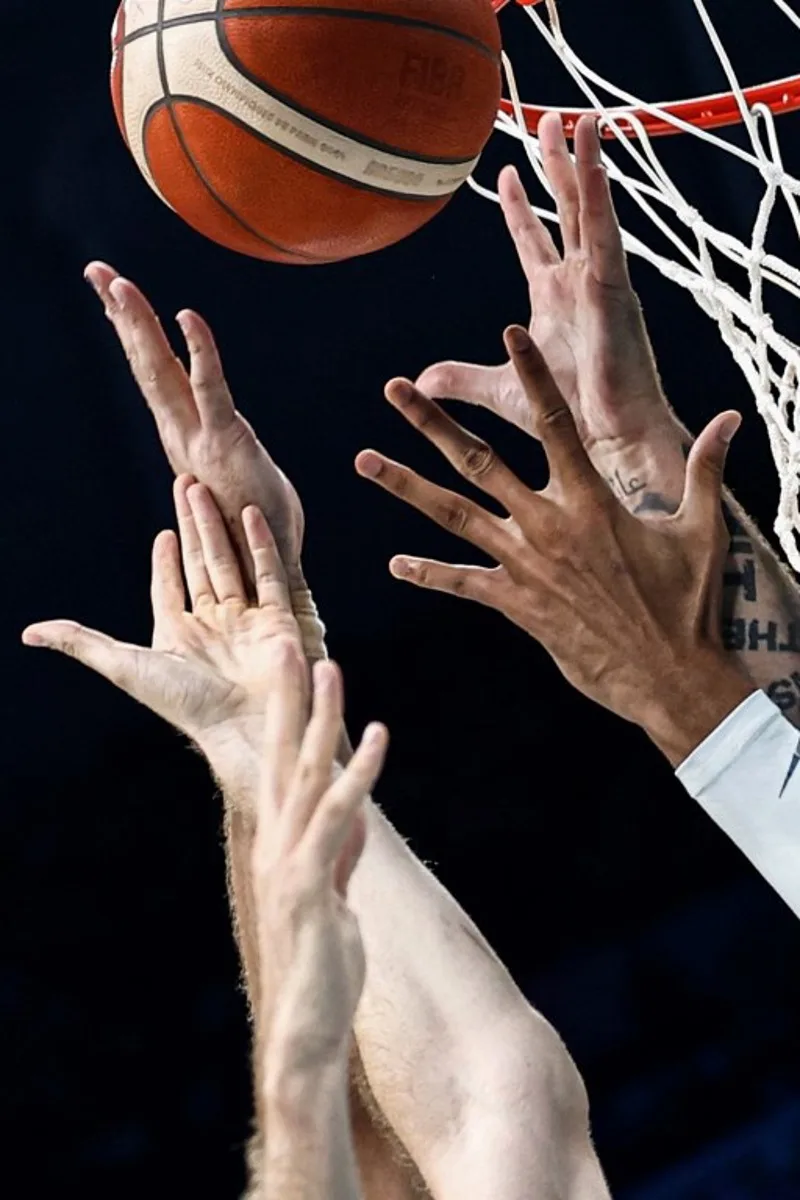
{"x": 713, "y": 111}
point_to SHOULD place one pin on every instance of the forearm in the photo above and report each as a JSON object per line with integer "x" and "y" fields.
{"x": 448, "y": 1042}
{"x": 761, "y": 615}
{"x": 309, "y": 1150}
{"x": 239, "y": 828}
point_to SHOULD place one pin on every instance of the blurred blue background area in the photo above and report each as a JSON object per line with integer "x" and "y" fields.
{"x": 669, "y": 967}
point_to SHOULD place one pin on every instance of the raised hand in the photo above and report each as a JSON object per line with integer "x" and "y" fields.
{"x": 207, "y": 670}
{"x": 585, "y": 317}
{"x": 629, "y": 610}
{"x": 302, "y": 868}
{"x": 201, "y": 431}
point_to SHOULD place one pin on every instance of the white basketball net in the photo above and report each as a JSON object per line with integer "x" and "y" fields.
{"x": 768, "y": 359}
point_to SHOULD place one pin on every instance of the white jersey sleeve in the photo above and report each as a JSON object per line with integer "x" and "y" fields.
{"x": 746, "y": 775}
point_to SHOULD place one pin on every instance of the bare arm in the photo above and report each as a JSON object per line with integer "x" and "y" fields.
{"x": 478, "y": 1086}
{"x": 433, "y": 1018}
{"x": 310, "y": 1153}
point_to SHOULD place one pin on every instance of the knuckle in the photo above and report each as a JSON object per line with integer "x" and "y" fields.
{"x": 478, "y": 460}
{"x": 398, "y": 480}
{"x": 312, "y": 775}
{"x": 453, "y": 516}
{"x": 558, "y": 419}
{"x": 159, "y": 372}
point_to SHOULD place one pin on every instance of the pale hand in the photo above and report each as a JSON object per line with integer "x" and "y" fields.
{"x": 207, "y": 670}
{"x": 200, "y": 429}
{"x": 301, "y": 869}
{"x": 586, "y": 319}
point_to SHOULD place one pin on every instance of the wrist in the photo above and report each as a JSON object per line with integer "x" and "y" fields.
{"x": 235, "y": 762}
{"x": 688, "y": 702}
{"x": 312, "y": 630}
{"x": 645, "y": 473}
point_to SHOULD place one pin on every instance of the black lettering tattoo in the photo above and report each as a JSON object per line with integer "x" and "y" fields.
{"x": 755, "y": 635}
{"x": 739, "y": 634}
{"x": 740, "y": 539}
{"x": 734, "y": 633}
{"x": 624, "y": 490}
{"x": 745, "y": 579}
{"x": 792, "y": 643}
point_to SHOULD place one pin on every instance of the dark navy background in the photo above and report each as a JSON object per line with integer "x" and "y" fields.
{"x": 670, "y": 968}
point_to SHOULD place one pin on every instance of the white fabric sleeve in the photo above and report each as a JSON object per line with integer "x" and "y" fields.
{"x": 746, "y": 775}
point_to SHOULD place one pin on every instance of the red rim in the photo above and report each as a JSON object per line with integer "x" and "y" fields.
{"x": 705, "y": 112}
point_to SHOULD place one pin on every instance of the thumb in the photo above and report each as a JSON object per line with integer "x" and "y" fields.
{"x": 118, "y": 662}
{"x": 706, "y": 466}
{"x": 463, "y": 381}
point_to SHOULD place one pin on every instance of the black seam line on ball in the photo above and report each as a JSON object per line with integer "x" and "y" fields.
{"x": 295, "y": 11}
{"x": 345, "y": 130}
{"x": 299, "y": 158}
{"x": 168, "y": 102}
{"x": 299, "y": 256}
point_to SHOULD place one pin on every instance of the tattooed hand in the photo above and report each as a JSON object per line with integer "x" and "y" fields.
{"x": 588, "y": 324}
{"x": 628, "y": 609}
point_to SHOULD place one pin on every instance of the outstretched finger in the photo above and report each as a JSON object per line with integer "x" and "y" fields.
{"x": 532, "y": 240}
{"x": 481, "y": 584}
{"x": 553, "y": 423}
{"x": 219, "y": 555}
{"x": 468, "y": 382}
{"x": 209, "y": 386}
{"x": 453, "y": 512}
{"x": 167, "y": 593}
{"x": 272, "y": 589}
{"x": 115, "y": 661}
{"x": 331, "y": 826}
{"x": 315, "y": 764}
{"x": 161, "y": 376}
{"x": 472, "y": 457}
{"x": 286, "y": 717}
{"x": 560, "y": 171}
{"x": 194, "y": 564}
{"x": 601, "y": 237}
{"x": 705, "y": 468}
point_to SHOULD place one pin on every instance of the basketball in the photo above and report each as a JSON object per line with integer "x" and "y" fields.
{"x": 307, "y": 132}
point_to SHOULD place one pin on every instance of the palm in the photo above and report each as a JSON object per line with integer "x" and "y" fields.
{"x": 593, "y": 339}
{"x": 585, "y": 319}
{"x": 210, "y": 671}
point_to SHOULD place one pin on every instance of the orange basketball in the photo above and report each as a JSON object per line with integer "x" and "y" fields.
{"x": 311, "y": 131}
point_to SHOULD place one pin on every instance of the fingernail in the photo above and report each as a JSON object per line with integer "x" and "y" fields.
{"x": 370, "y": 465}
{"x": 403, "y": 568}
{"x": 373, "y": 734}
{"x": 728, "y": 428}
{"x": 402, "y": 392}
{"x": 517, "y": 338}
{"x": 117, "y": 291}
{"x": 91, "y": 283}
{"x": 29, "y": 638}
